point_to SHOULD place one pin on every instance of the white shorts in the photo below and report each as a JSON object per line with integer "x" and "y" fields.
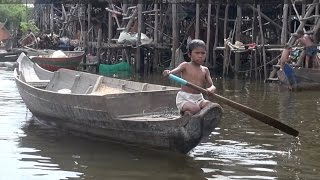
{"x": 184, "y": 97}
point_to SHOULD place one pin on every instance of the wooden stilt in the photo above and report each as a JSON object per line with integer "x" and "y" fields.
{"x": 284, "y": 32}
{"x": 174, "y": 34}
{"x": 262, "y": 43}
{"x": 138, "y": 60}
{"x": 89, "y": 25}
{"x": 216, "y": 36}
{"x": 208, "y": 34}
{"x": 155, "y": 37}
{"x": 237, "y": 38}
{"x": 197, "y": 20}
{"x": 226, "y": 50}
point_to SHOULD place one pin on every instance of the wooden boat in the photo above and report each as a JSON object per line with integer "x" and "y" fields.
{"x": 72, "y": 60}
{"x": 114, "y": 109}
{"x": 6, "y": 56}
{"x": 300, "y": 78}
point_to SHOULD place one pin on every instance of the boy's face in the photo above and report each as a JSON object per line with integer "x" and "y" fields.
{"x": 198, "y": 55}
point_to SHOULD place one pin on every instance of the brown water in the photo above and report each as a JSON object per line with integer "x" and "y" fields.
{"x": 240, "y": 148}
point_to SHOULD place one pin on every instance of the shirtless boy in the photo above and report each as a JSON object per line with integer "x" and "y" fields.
{"x": 285, "y": 56}
{"x": 310, "y": 48}
{"x": 189, "y": 99}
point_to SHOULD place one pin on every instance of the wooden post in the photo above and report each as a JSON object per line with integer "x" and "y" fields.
{"x": 155, "y": 37}
{"x": 99, "y": 44}
{"x": 316, "y": 13}
{"x": 139, "y": 61}
{"x": 254, "y": 37}
{"x": 262, "y": 43}
{"x": 51, "y": 19}
{"x": 237, "y": 38}
{"x": 197, "y": 20}
{"x": 89, "y": 23}
{"x": 208, "y": 34}
{"x": 216, "y": 36}
{"x": 284, "y": 31}
{"x": 110, "y": 25}
{"x": 303, "y": 8}
{"x": 226, "y": 50}
{"x": 174, "y": 34}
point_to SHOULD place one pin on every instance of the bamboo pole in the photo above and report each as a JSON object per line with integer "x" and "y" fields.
{"x": 262, "y": 43}
{"x": 237, "y": 38}
{"x": 155, "y": 37}
{"x": 174, "y": 34}
{"x": 99, "y": 44}
{"x": 254, "y": 36}
{"x": 89, "y": 24}
{"x": 303, "y": 8}
{"x": 208, "y": 34}
{"x": 197, "y": 20}
{"x": 284, "y": 32}
{"x": 139, "y": 62}
{"x": 51, "y": 19}
{"x": 216, "y": 36}
{"x": 226, "y": 50}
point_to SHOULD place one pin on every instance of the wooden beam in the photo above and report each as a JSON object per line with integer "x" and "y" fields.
{"x": 264, "y": 16}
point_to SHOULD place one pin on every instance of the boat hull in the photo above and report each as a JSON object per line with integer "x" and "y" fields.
{"x": 53, "y": 64}
{"x": 146, "y": 117}
{"x": 301, "y": 78}
{"x": 180, "y": 135}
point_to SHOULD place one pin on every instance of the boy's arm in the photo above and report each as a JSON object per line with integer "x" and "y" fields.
{"x": 211, "y": 87}
{"x": 176, "y": 70}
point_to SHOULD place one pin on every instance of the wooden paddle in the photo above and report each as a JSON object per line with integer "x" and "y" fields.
{"x": 249, "y": 111}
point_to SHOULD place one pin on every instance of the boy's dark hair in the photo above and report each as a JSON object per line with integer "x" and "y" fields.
{"x": 195, "y": 43}
{"x": 300, "y": 32}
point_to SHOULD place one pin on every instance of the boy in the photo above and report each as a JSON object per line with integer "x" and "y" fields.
{"x": 310, "y": 48}
{"x": 189, "y": 99}
{"x": 285, "y": 56}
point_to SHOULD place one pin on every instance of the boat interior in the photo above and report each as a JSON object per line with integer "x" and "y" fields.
{"x": 76, "y": 82}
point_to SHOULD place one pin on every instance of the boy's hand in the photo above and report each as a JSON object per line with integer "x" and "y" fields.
{"x": 166, "y": 73}
{"x": 210, "y": 91}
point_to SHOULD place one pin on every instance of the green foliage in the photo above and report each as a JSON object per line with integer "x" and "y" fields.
{"x": 25, "y": 26}
{"x": 13, "y": 13}
{"x": 16, "y": 14}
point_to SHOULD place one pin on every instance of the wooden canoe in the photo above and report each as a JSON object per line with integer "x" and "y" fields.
{"x": 123, "y": 111}
{"x": 6, "y": 56}
{"x": 300, "y": 78}
{"x": 72, "y": 61}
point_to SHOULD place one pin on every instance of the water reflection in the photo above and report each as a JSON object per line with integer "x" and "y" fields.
{"x": 49, "y": 149}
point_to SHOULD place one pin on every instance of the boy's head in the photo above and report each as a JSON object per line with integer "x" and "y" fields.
{"x": 195, "y": 43}
{"x": 300, "y": 33}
